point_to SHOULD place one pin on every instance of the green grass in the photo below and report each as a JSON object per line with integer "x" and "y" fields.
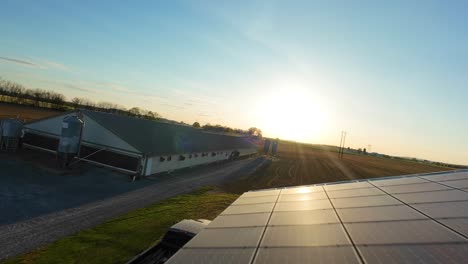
{"x": 120, "y": 239}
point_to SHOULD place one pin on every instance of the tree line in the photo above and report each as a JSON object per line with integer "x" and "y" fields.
{"x": 11, "y": 92}
{"x": 15, "y": 93}
{"x": 253, "y": 131}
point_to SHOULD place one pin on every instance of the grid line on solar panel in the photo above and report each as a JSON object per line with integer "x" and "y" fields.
{"x": 302, "y": 197}
{"x": 215, "y": 238}
{"x": 434, "y": 220}
{"x": 261, "y": 193}
{"x": 379, "y": 214}
{"x": 461, "y": 185}
{"x": 305, "y": 235}
{"x": 446, "y": 176}
{"x": 458, "y": 224}
{"x": 456, "y": 184}
{"x": 348, "y": 235}
{"x": 344, "y": 222}
{"x": 444, "y": 209}
{"x": 354, "y": 193}
{"x": 346, "y": 185}
{"x": 302, "y": 205}
{"x": 254, "y": 200}
{"x": 303, "y": 189}
{"x": 249, "y": 208}
{"x": 439, "y": 253}
{"x": 398, "y": 232}
{"x": 414, "y": 188}
{"x": 243, "y": 220}
{"x": 397, "y": 181}
{"x": 319, "y": 254}
{"x": 303, "y": 217}
{"x": 434, "y": 196}
{"x": 212, "y": 255}
{"x": 265, "y": 228}
{"x": 365, "y": 201}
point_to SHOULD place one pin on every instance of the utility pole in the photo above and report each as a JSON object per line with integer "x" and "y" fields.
{"x": 341, "y": 142}
{"x": 344, "y": 141}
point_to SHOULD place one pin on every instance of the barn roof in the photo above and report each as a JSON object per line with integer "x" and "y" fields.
{"x": 408, "y": 219}
{"x": 162, "y": 138}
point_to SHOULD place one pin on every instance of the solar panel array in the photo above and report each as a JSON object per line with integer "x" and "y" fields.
{"x": 408, "y": 219}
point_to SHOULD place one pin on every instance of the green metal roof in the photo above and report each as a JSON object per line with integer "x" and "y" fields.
{"x": 160, "y": 138}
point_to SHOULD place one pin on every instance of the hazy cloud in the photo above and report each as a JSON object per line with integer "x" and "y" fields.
{"x": 18, "y": 61}
{"x": 38, "y": 63}
{"x": 77, "y": 87}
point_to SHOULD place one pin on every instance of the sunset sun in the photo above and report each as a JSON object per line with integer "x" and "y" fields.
{"x": 293, "y": 114}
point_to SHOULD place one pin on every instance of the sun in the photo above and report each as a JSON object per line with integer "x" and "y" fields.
{"x": 292, "y": 113}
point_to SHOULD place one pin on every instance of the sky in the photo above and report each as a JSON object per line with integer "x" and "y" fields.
{"x": 393, "y": 75}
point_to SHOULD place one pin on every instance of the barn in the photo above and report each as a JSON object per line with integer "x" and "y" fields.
{"x": 136, "y": 145}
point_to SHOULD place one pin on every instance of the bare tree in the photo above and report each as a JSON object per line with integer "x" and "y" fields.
{"x": 135, "y": 111}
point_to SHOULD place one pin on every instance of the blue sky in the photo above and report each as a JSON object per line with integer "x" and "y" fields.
{"x": 392, "y": 74}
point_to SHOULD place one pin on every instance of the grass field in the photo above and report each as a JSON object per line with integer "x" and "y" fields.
{"x": 25, "y": 113}
{"x": 300, "y": 164}
{"x": 118, "y": 240}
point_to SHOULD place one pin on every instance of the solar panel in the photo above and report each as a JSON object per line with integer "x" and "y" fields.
{"x": 249, "y": 208}
{"x": 226, "y": 238}
{"x": 240, "y": 220}
{"x": 423, "y": 253}
{"x": 305, "y": 236}
{"x": 401, "y": 232}
{"x": 302, "y": 197}
{"x": 329, "y": 255}
{"x": 212, "y": 255}
{"x": 354, "y": 192}
{"x": 459, "y": 225}
{"x": 463, "y": 175}
{"x": 409, "y": 188}
{"x": 256, "y": 199}
{"x": 303, "y": 205}
{"x": 408, "y": 219}
{"x": 304, "y": 217}
{"x": 460, "y": 184}
{"x": 397, "y": 181}
{"x": 366, "y": 201}
{"x": 444, "y": 210}
{"x": 376, "y": 214}
{"x": 430, "y": 197}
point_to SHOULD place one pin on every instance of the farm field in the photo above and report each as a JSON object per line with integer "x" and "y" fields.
{"x": 301, "y": 164}
{"x": 25, "y": 113}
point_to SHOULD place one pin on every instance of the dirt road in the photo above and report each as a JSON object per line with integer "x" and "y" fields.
{"x": 27, "y": 235}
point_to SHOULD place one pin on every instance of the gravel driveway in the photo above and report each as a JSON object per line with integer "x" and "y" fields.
{"x": 24, "y": 236}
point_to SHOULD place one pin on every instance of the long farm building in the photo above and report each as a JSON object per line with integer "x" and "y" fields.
{"x": 136, "y": 145}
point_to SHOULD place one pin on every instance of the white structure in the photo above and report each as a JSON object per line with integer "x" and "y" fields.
{"x": 137, "y": 145}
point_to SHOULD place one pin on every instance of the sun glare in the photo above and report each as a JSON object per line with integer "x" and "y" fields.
{"x": 293, "y": 114}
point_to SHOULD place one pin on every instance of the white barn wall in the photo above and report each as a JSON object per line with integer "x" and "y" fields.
{"x": 154, "y": 164}
{"x": 245, "y": 152}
